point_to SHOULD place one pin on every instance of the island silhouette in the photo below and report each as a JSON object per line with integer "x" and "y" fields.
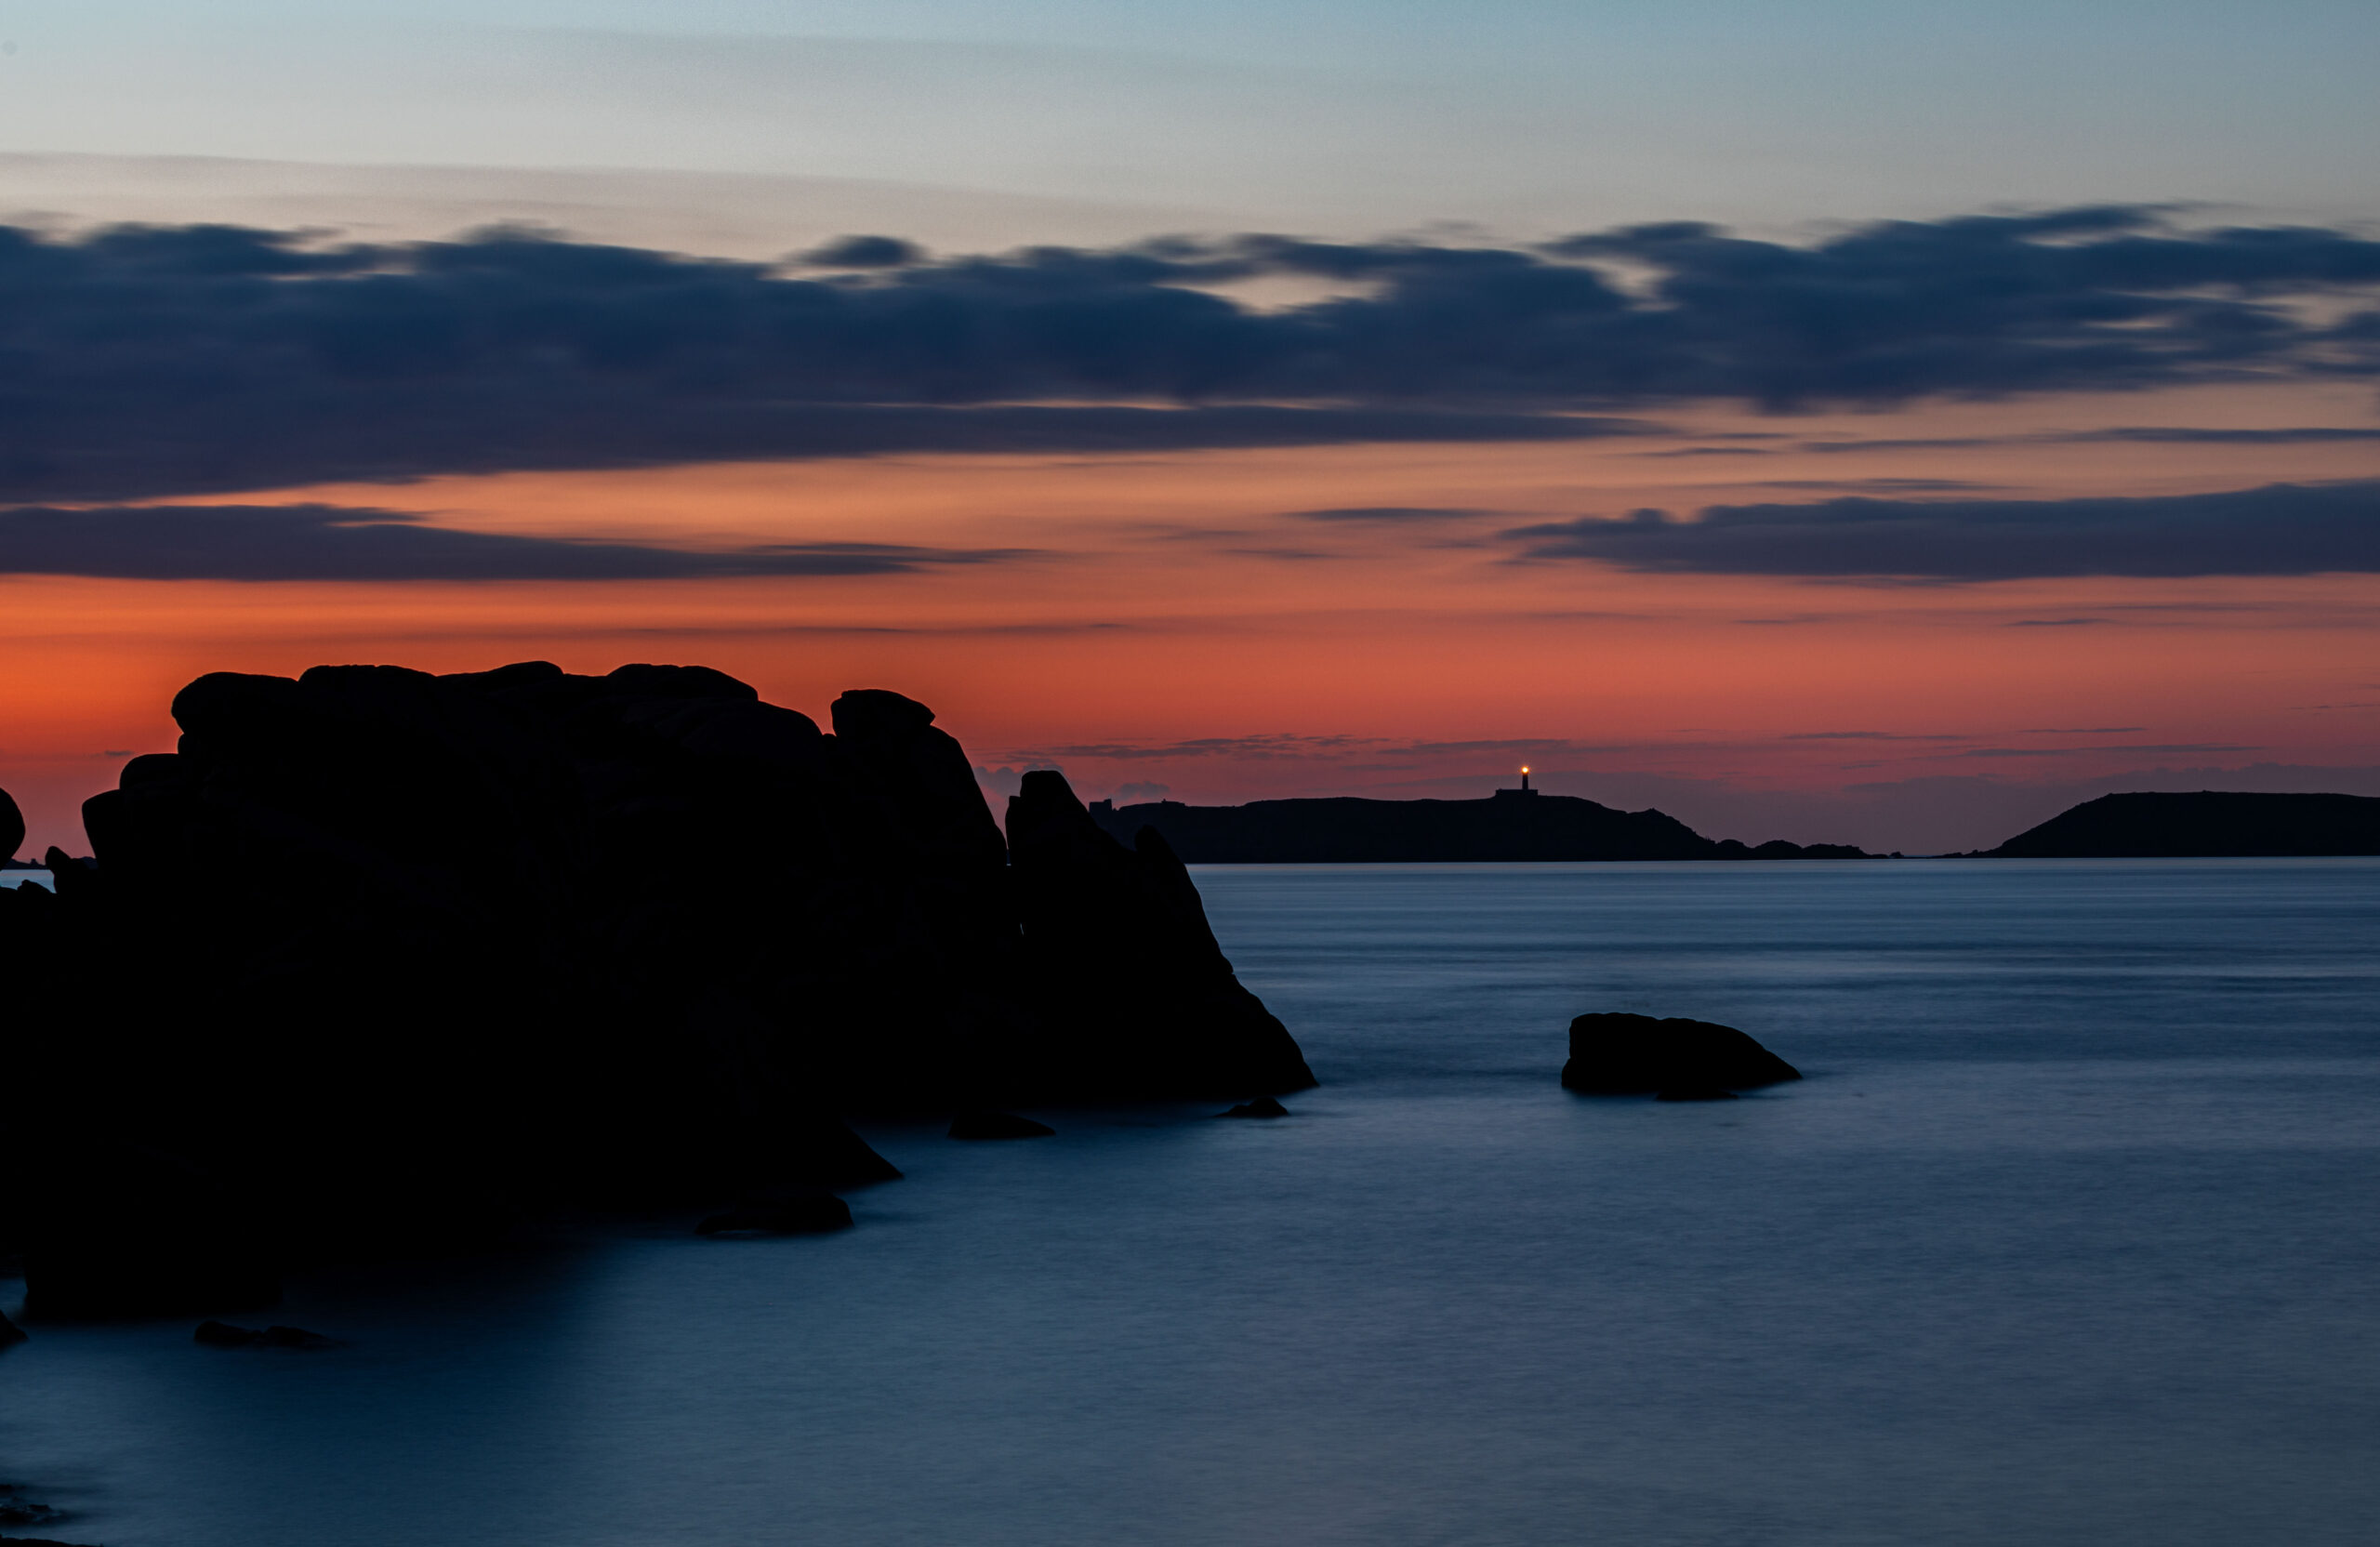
{"x": 2206, "y": 823}
{"x": 1512, "y": 824}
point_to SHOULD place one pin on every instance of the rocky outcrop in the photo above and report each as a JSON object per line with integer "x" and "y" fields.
{"x": 12, "y": 826}
{"x": 1139, "y": 1000}
{"x": 10, "y": 1333}
{"x": 1678, "y": 1059}
{"x": 379, "y": 959}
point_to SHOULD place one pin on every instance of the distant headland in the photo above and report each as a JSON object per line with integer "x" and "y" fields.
{"x": 2206, "y": 823}
{"x": 1520, "y": 824}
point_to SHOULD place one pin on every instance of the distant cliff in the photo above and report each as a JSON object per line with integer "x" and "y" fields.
{"x": 1510, "y": 825}
{"x": 2207, "y": 823}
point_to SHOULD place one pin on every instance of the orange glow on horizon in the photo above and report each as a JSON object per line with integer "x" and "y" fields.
{"x": 1154, "y": 620}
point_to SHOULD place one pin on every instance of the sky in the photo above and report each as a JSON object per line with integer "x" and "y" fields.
{"x": 1835, "y": 421}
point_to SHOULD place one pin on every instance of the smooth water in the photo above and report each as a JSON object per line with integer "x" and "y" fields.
{"x": 2070, "y": 1236}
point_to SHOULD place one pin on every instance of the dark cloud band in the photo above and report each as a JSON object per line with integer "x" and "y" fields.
{"x": 150, "y": 362}
{"x": 321, "y": 542}
{"x": 2280, "y": 528}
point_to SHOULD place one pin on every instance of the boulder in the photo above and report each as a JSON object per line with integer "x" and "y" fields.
{"x": 1687, "y": 1059}
{"x": 793, "y": 1216}
{"x": 997, "y": 1125}
{"x": 10, "y": 1333}
{"x": 12, "y": 826}
{"x": 1262, "y": 1106}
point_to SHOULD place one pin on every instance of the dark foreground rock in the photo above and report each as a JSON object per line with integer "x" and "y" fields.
{"x": 12, "y": 826}
{"x": 997, "y": 1125}
{"x": 1262, "y": 1106}
{"x": 1617, "y": 1055}
{"x": 10, "y": 1333}
{"x": 377, "y": 961}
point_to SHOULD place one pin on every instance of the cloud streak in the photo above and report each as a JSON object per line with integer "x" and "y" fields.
{"x": 145, "y": 363}
{"x": 325, "y": 542}
{"x": 2278, "y": 529}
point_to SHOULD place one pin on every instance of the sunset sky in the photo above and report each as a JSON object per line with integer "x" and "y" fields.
{"x": 1841, "y": 422}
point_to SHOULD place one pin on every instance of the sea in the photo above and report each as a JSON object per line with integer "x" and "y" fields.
{"x": 2071, "y": 1237}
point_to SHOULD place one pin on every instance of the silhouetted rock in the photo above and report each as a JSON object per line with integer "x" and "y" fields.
{"x": 997, "y": 1125}
{"x": 1262, "y": 1106}
{"x": 1683, "y": 1060}
{"x": 794, "y": 1216}
{"x": 12, "y": 826}
{"x": 1139, "y": 999}
{"x": 377, "y": 960}
{"x": 216, "y": 1334}
{"x": 2208, "y": 823}
{"x": 10, "y": 1333}
{"x": 120, "y": 1230}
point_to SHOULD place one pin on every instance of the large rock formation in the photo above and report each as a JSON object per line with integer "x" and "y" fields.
{"x": 377, "y": 957}
{"x": 1616, "y": 1054}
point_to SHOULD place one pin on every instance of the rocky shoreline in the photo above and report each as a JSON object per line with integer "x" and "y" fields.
{"x": 355, "y": 973}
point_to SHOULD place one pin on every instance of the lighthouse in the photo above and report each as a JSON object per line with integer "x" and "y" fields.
{"x": 1516, "y": 794}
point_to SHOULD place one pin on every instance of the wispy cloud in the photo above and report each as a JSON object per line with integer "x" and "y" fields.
{"x": 2278, "y": 529}
{"x": 327, "y": 542}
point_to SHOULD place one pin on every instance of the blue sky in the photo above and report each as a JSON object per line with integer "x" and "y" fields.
{"x": 1321, "y": 115}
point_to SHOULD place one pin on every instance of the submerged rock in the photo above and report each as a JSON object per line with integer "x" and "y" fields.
{"x": 997, "y": 1125}
{"x": 796, "y": 1216}
{"x": 1262, "y": 1106}
{"x": 16, "y": 1510}
{"x": 1681, "y": 1060}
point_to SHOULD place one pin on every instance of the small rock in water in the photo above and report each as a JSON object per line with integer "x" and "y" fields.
{"x": 16, "y": 1510}
{"x": 1696, "y": 1092}
{"x": 10, "y": 1333}
{"x": 1262, "y": 1106}
{"x": 997, "y": 1125}
{"x": 1623, "y": 1055}
{"x": 797, "y": 1216}
{"x": 219, "y": 1334}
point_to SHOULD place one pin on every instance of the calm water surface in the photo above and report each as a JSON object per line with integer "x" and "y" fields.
{"x": 2071, "y": 1236}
